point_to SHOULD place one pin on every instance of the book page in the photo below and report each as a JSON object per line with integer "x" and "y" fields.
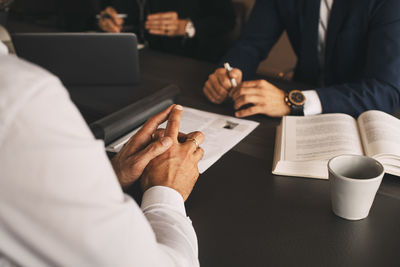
{"x": 380, "y": 133}
{"x": 320, "y": 137}
{"x": 221, "y": 133}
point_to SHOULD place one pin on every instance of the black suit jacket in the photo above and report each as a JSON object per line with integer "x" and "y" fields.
{"x": 362, "y": 59}
{"x": 213, "y": 20}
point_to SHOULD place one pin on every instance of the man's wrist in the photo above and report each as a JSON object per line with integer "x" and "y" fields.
{"x": 182, "y": 26}
{"x": 295, "y": 100}
{"x": 163, "y": 195}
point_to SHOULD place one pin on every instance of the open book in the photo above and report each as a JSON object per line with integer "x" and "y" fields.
{"x": 305, "y": 144}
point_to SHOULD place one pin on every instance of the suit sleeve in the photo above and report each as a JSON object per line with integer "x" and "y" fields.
{"x": 261, "y": 32}
{"x": 380, "y": 87}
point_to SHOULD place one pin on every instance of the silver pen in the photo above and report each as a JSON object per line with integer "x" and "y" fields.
{"x": 108, "y": 16}
{"x": 228, "y": 72}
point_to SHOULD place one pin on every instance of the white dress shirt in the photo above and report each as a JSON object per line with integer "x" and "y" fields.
{"x": 60, "y": 200}
{"x": 3, "y": 49}
{"x": 313, "y": 106}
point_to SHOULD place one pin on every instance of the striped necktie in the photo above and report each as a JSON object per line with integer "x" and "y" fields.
{"x": 326, "y": 6}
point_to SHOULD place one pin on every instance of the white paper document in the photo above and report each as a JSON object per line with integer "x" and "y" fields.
{"x": 221, "y": 133}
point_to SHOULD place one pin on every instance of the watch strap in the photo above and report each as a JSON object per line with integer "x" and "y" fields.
{"x": 296, "y": 105}
{"x": 297, "y": 110}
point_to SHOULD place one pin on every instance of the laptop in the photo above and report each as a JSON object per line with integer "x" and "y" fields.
{"x": 83, "y": 58}
{"x": 101, "y": 73}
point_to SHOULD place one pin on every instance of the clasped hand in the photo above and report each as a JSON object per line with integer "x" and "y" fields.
{"x": 263, "y": 97}
{"x": 164, "y": 23}
{"x": 161, "y": 157}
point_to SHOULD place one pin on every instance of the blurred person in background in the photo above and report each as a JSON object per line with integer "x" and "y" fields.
{"x": 194, "y": 28}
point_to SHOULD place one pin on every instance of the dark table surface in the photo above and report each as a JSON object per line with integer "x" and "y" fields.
{"x": 242, "y": 213}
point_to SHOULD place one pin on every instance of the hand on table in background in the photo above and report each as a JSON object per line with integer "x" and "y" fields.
{"x": 218, "y": 85}
{"x": 112, "y": 23}
{"x": 265, "y": 98}
{"x": 177, "y": 167}
{"x": 166, "y": 24}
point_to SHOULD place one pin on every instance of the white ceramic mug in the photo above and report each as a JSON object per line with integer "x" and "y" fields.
{"x": 354, "y": 181}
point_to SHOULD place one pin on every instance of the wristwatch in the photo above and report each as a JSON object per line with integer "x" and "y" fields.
{"x": 295, "y": 99}
{"x": 190, "y": 30}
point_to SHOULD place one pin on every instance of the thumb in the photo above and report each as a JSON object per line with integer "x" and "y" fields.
{"x": 152, "y": 151}
{"x": 237, "y": 75}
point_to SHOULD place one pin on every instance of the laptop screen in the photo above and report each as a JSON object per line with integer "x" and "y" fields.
{"x": 83, "y": 58}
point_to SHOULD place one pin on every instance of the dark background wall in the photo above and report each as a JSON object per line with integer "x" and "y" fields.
{"x": 79, "y": 15}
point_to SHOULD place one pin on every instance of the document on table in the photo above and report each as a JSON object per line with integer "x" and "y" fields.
{"x": 221, "y": 133}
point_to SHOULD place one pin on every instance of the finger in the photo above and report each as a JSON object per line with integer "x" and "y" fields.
{"x": 160, "y": 133}
{"x": 248, "y": 111}
{"x": 210, "y": 93}
{"x": 234, "y": 91}
{"x": 157, "y": 32}
{"x": 170, "y": 27}
{"x": 108, "y": 25}
{"x": 256, "y": 83}
{"x": 248, "y": 99}
{"x": 166, "y": 23}
{"x": 153, "y": 23}
{"x": 223, "y": 78}
{"x": 169, "y": 15}
{"x": 173, "y": 123}
{"x": 163, "y": 16}
{"x": 154, "y": 16}
{"x": 153, "y": 27}
{"x": 207, "y": 92}
{"x": 143, "y": 136}
{"x": 198, "y": 154}
{"x": 218, "y": 88}
{"x": 142, "y": 158}
{"x": 236, "y": 74}
{"x": 193, "y": 141}
{"x": 245, "y": 91}
{"x": 114, "y": 16}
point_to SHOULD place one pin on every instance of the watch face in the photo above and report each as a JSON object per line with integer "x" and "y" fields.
{"x": 297, "y": 97}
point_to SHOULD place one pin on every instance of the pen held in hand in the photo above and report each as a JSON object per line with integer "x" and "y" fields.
{"x": 228, "y": 71}
{"x": 107, "y": 16}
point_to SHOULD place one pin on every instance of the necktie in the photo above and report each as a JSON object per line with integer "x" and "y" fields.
{"x": 325, "y": 11}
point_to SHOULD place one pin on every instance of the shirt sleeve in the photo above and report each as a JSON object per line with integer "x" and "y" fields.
{"x": 164, "y": 209}
{"x": 3, "y": 49}
{"x": 60, "y": 200}
{"x": 312, "y": 106}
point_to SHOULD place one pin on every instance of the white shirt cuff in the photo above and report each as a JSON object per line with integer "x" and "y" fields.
{"x": 312, "y": 106}
{"x": 3, "y": 49}
{"x": 163, "y": 196}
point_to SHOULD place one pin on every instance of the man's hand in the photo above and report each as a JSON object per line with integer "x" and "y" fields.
{"x": 177, "y": 167}
{"x": 130, "y": 162}
{"x": 111, "y": 23}
{"x": 219, "y": 84}
{"x": 166, "y": 24}
{"x": 266, "y": 99}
